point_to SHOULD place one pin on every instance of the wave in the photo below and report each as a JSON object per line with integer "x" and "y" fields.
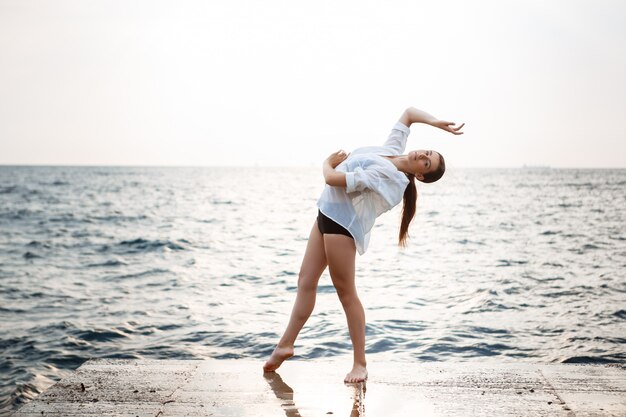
{"x": 110, "y": 262}
{"x": 100, "y": 335}
{"x": 149, "y": 272}
{"x": 145, "y": 245}
{"x": 116, "y": 218}
{"x": 621, "y": 314}
{"x": 38, "y": 244}
{"x": 591, "y": 360}
{"x": 510, "y": 262}
{"x": 55, "y": 183}
{"x": 19, "y": 395}
{"x": 550, "y": 233}
{"x": 468, "y": 351}
{"x": 467, "y": 241}
{"x": 20, "y": 214}
{"x": 9, "y": 189}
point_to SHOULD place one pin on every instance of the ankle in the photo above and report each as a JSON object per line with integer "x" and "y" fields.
{"x": 284, "y": 346}
{"x": 362, "y": 363}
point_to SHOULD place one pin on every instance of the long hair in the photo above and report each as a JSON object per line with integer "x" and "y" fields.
{"x": 410, "y": 198}
{"x": 408, "y": 209}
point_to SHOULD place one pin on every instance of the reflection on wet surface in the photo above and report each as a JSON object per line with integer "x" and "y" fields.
{"x": 285, "y": 393}
{"x": 314, "y": 389}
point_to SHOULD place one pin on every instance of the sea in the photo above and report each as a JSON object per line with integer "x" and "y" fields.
{"x": 502, "y": 265}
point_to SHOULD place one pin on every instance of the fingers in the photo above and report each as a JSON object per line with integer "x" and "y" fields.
{"x": 446, "y": 123}
{"x": 339, "y": 156}
{"x": 456, "y": 129}
{"x": 450, "y": 127}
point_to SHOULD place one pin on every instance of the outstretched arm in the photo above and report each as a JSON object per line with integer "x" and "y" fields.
{"x": 413, "y": 115}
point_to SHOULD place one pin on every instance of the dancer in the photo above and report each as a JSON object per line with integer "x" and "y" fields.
{"x": 359, "y": 187}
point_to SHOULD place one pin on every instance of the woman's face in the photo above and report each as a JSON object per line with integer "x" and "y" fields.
{"x": 422, "y": 162}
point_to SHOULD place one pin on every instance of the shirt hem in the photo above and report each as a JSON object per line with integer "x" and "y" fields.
{"x": 321, "y": 211}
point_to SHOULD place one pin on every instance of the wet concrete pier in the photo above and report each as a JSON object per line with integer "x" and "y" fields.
{"x": 161, "y": 388}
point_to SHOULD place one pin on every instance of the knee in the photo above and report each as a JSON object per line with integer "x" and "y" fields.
{"x": 306, "y": 283}
{"x": 347, "y": 296}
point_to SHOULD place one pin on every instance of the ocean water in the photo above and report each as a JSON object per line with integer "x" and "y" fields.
{"x": 503, "y": 265}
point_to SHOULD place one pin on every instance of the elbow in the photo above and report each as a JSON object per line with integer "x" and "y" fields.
{"x": 330, "y": 180}
{"x": 336, "y": 179}
{"x": 407, "y": 116}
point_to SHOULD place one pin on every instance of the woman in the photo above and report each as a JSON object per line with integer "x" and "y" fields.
{"x": 359, "y": 187}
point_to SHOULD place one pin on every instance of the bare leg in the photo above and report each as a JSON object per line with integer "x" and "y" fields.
{"x": 313, "y": 265}
{"x": 340, "y": 254}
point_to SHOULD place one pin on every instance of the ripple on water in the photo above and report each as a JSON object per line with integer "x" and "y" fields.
{"x": 385, "y": 344}
{"x": 466, "y": 350}
{"x": 620, "y": 314}
{"x": 145, "y": 245}
{"x": 510, "y": 262}
{"x": 559, "y": 294}
{"x": 100, "y": 335}
{"x": 38, "y": 244}
{"x": 550, "y": 232}
{"x": 148, "y": 273}
{"x": 109, "y": 262}
{"x": 595, "y": 359}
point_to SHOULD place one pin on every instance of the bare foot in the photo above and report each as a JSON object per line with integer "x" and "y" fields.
{"x": 357, "y": 374}
{"x": 277, "y": 358}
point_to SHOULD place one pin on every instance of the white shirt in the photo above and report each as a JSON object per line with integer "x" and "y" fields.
{"x": 373, "y": 186}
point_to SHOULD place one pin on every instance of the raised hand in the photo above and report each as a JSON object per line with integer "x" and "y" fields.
{"x": 336, "y": 158}
{"x": 449, "y": 126}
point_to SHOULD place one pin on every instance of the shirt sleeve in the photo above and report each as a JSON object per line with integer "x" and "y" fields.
{"x": 396, "y": 142}
{"x": 356, "y": 180}
{"x": 364, "y": 179}
{"x": 390, "y": 188}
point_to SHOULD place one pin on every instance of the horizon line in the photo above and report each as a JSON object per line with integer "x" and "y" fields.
{"x": 523, "y": 166}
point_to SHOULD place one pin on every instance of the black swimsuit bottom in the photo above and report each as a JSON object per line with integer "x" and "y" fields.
{"x": 330, "y": 227}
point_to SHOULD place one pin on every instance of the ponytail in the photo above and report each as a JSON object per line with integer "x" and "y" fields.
{"x": 408, "y": 210}
{"x": 410, "y": 197}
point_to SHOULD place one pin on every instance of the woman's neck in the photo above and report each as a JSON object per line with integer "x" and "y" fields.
{"x": 401, "y": 162}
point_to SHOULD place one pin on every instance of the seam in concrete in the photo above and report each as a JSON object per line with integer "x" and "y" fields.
{"x": 552, "y": 391}
{"x": 171, "y": 399}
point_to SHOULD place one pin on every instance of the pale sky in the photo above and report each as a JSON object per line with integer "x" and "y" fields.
{"x": 285, "y": 83}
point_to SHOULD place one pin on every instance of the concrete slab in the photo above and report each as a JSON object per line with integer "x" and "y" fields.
{"x": 315, "y": 388}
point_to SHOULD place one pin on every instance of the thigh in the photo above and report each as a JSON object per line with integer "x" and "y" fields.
{"x": 340, "y": 255}
{"x": 314, "y": 261}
